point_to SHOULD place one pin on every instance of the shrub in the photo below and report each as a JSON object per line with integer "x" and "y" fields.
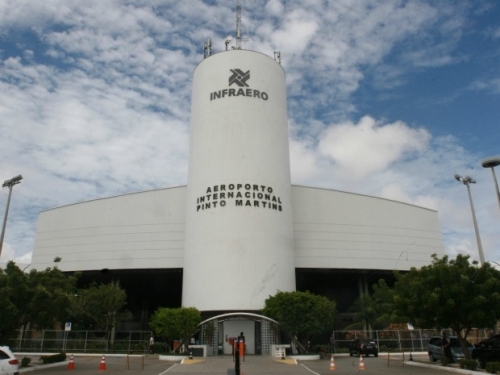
{"x": 53, "y": 358}
{"x": 159, "y": 348}
{"x": 352, "y": 335}
{"x": 321, "y": 348}
{"x": 493, "y": 367}
{"x": 468, "y": 364}
{"x": 25, "y": 362}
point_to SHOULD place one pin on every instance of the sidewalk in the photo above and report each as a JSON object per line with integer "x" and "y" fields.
{"x": 252, "y": 365}
{"x": 225, "y": 365}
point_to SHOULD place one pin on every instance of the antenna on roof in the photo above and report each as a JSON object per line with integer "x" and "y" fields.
{"x": 227, "y": 41}
{"x": 277, "y": 57}
{"x": 238, "y": 24}
{"x": 207, "y": 48}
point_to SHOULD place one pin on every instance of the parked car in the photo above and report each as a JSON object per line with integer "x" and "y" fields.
{"x": 436, "y": 351}
{"x": 487, "y": 351}
{"x": 363, "y": 346}
{"x": 8, "y": 363}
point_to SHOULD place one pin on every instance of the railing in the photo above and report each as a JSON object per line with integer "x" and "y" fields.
{"x": 81, "y": 342}
{"x": 398, "y": 341}
{"x": 137, "y": 342}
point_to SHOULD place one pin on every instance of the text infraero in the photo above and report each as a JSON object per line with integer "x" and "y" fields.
{"x": 241, "y": 195}
{"x": 239, "y": 78}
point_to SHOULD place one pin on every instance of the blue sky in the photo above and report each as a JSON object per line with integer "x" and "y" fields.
{"x": 385, "y": 98}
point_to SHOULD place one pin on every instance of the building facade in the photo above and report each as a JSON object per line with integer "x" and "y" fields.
{"x": 239, "y": 231}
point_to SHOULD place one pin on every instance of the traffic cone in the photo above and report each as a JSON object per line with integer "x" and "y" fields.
{"x": 332, "y": 364}
{"x": 102, "y": 366}
{"x": 361, "y": 363}
{"x": 71, "y": 364}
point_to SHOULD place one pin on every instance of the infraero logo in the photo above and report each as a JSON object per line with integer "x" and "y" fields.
{"x": 239, "y": 78}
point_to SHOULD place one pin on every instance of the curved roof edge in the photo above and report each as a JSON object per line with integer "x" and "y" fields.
{"x": 114, "y": 196}
{"x": 365, "y": 195}
{"x": 235, "y": 314}
{"x": 293, "y": 185}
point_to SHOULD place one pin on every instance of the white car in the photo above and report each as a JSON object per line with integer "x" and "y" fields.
{"x": 8, "y": 363}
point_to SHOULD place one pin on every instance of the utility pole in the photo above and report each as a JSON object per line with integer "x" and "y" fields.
{"x": 10, "y": 184}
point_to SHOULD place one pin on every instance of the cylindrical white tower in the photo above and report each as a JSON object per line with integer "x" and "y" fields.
{"x": 239, "y": 235}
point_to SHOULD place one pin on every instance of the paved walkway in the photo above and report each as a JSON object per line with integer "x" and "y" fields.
{"x": 257, "y": 365}
{"x": 253, "y": 365}
{"x": 225, "y": 365}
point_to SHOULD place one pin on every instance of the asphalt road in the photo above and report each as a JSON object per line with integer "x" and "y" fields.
{"x": 253, "y": 365}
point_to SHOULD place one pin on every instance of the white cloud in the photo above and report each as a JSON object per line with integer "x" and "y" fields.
{"x": 492, "y": 85}
{"x": 274, "y": 8}
{"x": 95, "y": 100}
{"x": 396, "y": 192}
{"x": 7, "y": 253}
{"x": 302, "y": 161}
{"x": 368, "y": 147}
{"x": 296, "y": 32}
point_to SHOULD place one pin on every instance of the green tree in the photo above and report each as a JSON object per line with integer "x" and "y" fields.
{"x": 39, "y": 298}
{"x": 376, "y": 310}
{"x": 301, "y": 314}
{"x": 103, "y": 306}
{"x": 179, "y": 323}
{"x": 366, "y": 314}
{"x": 53, "y": 290}
{"x": 10, "y": 313}
{"x": 450, "y": 293}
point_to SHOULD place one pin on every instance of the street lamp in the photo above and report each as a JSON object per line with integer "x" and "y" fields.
{"x": 492, "y": 162}
{"x": 8, "y": 183}
{"x": 466, "y": 181}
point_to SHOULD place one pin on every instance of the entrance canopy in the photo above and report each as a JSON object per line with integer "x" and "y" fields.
{"x": 219, "y": 332}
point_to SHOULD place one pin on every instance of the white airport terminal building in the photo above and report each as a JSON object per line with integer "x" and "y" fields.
{"x": 239, "y": 231}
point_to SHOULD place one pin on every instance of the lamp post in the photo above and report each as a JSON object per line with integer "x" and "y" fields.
{"x": 8, "y": 183}
{"x": 492, "y": 162}
{"x": 466, "y": 181}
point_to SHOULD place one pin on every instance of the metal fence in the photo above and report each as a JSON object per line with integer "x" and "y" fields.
{"x": 137, "y": 342}
{"x": 82, "y": 342}
{"x": 397, "y": 340}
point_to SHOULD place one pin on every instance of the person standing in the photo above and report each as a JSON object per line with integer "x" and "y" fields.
{"x": 241, "y": 344}
{"x": 241, "y": 337}
{"x": 446, "y": 344}
{"x": 332, "y": 342}
{"x": 151, "y": 344}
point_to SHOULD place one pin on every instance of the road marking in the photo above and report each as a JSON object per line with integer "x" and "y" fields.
{"x": 308, "y": 369}
{"x": 167, "y": 370}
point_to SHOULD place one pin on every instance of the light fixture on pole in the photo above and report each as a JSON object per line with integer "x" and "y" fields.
{"x": 492, "y": 162}
{"x": 8, "y": 183}
{"x": 466, "y": 181}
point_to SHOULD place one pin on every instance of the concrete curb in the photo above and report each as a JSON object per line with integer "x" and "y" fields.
{"x": 444, "y": 368}
{"x": 172, "y": 358}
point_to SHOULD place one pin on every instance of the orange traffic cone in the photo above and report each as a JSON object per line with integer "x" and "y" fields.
{"x": 71, "y": 364}
{"x": 102, "y": 366}
{"x": 332, "y": 364}
{"x": 361, "y": 363}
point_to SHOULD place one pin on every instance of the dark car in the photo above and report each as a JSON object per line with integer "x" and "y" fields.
{"x": 436, "y": 350}
{"x": 487, "y": 351}
{"x": 363, "y": 346}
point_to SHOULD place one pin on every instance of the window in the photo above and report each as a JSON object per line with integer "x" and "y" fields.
{"x": 3, "y": 355}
